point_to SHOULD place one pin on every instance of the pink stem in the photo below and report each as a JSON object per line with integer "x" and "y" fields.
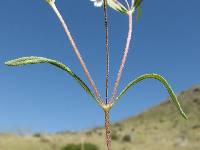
{"x": 77, "y": 52}
{"x": 119, "y": 74}
{"x": 108, "y": 131}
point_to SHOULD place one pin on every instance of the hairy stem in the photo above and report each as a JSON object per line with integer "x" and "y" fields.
{"x": 66, "y": 29}
{"x": 107, "y": 127}
{"x": 125, "y": 53}
{"x": 107, "y": 48}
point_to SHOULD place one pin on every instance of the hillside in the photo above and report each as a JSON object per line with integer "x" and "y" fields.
{"x": 156, "y": 128}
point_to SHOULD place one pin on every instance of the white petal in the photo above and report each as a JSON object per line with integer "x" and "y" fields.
{"x": 97, "y": 3}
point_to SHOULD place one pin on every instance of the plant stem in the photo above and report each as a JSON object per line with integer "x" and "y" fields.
{"x": 107, "y": 48}
{"x": 107, "y": 127}
{"x": 127, "y": 4}
{"x": 66, "y": 29}
{"x": 125, "y": 53}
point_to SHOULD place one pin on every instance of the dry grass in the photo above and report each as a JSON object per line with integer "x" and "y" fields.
{"x": 157, "y": 128}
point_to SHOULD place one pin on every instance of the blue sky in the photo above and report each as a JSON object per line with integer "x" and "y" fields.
{"x": 166, "y": 40}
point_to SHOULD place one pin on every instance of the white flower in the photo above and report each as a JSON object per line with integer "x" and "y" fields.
{"x": 97, "y": 3}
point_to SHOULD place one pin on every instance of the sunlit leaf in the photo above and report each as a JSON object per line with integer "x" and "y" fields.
{"x": 36, "y": 60}
{"x": 163, "y": 81}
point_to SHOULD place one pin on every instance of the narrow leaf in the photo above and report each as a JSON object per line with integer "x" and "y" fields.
{"x": 137, "y": 3}
{"x": 139, "y": 12}
{"x": 163, "y": 81}
{"x": 36, "y": 60}
{"x": 114, "y": 4}
{"x": 136, "y": 6}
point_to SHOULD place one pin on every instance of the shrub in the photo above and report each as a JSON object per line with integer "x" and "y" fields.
{"x": 114, "y": 136}
{"x": 100, "y": 133}
{"x": 126, "y": 138}
{"x": 89, "y": 133}
{"x": 37, "y": 135}
{"x": 86, "y": 146}
{"x": 45, "y": 139}
{"x": 120, "y": 129}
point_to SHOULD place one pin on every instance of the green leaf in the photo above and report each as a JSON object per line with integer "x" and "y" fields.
{"x": 137, "y": 3}
{"x": 136, "y": 6}
{"x": 163, "y": 81}
{"x": 139, "y": 12}
{"x": 36, "y": 60}
{"x": 114, "y": 4}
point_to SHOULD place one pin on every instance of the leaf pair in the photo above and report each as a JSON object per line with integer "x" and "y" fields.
{"x": 36, "y": 60}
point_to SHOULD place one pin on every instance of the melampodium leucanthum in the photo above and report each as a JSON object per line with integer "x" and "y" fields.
{"x": 94, "y": 93}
